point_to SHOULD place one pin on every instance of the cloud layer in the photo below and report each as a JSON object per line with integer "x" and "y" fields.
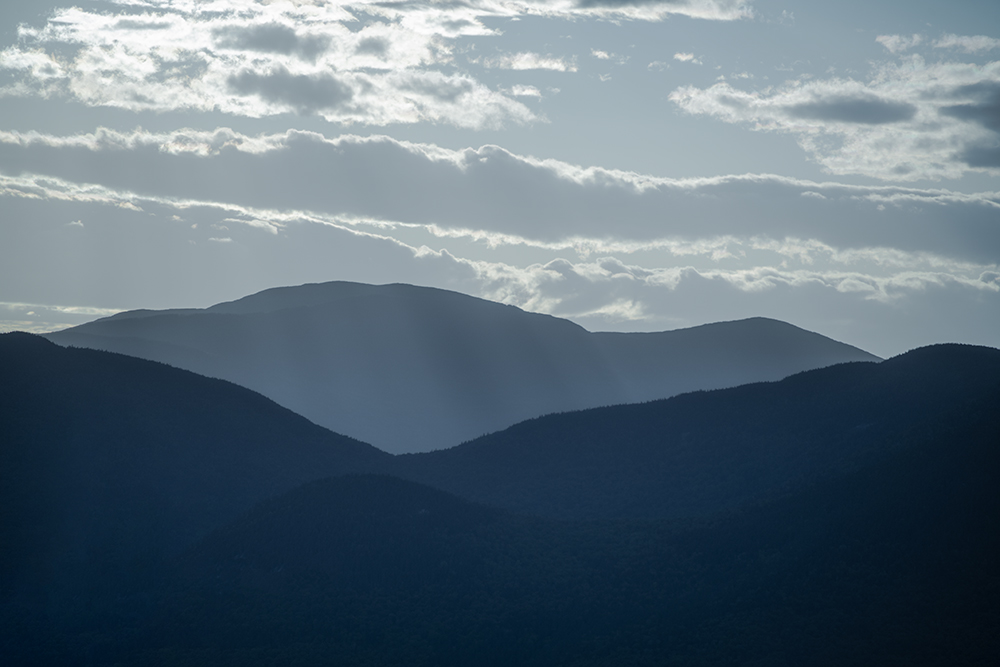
{"x": 911, "y": 120}
{"x": 353, "y": 62}
{"x": 607, "y": 248}
{"x": 497, "y": 194}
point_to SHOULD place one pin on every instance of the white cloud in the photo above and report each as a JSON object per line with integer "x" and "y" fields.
{"x": 687, "y": 58}
{"x": 359, "y": 62}
{"x": 969, "y": 44}
{"x": 525, "y": 91}
{"x": 600, "y": 55}
{"x": 528, "y": 61}
{"x": 258, "y": 59}
{"x": 899, "y": 43}
{"x": 910, "y": 120}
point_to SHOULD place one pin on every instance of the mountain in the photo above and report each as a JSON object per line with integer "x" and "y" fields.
{"x": 708, "y": 453}
{"x": 840, "y": 516}
{"x": 110, "y": 463}
{"x": 894, "y": 562}
{"x": 415, "y": 369}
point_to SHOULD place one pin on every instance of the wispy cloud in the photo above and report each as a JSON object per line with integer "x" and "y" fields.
{"x": 968, "y": 44}
{"x": 527, "y": 61}
{"x": 910, "y": 120}
{"x": 492, "y": 191}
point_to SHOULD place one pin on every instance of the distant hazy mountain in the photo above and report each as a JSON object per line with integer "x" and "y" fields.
{"x": 108, "y": 462}
{"x": 414, "y": 369}
{"x": 708, "y": 453}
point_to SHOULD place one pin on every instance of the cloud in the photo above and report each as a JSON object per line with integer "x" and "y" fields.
{"x": 969, "y": 44}
{"x": 983, "y": 110}
{"x": 296, "y": 56}
{"x": 258, "y": 59}
{"x": 507, "y": 198}
{"x": 881, "y": 297}
{"x": 899, "y": 43}
{"x": 525, "y": 91}
{"x": 528, "y": 61}
{"x": 272, "y": 38}
{"x": 306, "y": 94}
{"x": 868, "y": 110}
{"x": 720, "y": 10}
{"x": 687, "y": 58}
{"x": 910, "y": 121}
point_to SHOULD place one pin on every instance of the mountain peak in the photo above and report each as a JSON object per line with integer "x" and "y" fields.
{"x": 411, "y": 368}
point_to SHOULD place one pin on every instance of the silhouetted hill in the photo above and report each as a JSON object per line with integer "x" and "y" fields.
{"x": 895, "y": 562}
{"x": 413, "y": 369}
{"x": 109, "y": 463}
{"x": 709, "y": 452}
{"x": 840, "y": 516}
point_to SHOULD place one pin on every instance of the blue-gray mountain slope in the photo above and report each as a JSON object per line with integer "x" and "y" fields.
{"x": 414, "y": 369}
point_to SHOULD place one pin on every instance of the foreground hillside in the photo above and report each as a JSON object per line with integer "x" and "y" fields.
{"x": 410, "y": 368}
{"x": 895, "y": 563}
{"x": 841, "y": 516}
{"x": 110, "y": 463}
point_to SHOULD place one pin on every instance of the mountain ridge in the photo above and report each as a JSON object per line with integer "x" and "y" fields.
{"x": 710, "y": 452}
{"x": 410, "y": 368}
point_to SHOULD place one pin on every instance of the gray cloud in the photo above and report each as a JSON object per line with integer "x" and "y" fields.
{"x": 444, "y": 90}
{"x": 981, "y": 156}
{"x": 985, "y": 110}
{"x": 271, "y": 38}
{"x": 846, "y": 109}
{"x": 306, "y": 94}
{"x": 373, "y": 46}
{"x": 904, "y": 124}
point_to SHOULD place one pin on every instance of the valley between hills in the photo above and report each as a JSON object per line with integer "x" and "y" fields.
{"x": 390, "y": 475}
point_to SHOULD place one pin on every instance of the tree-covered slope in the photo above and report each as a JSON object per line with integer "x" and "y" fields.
{"x": 892, "y": 563}
{"x": 709, "y": 452}
{"x": 109, "y": 462}
{"x": 886, "y": 553}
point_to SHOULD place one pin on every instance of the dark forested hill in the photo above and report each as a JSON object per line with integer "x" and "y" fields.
{"x": 413, "y": 369}
{"x": 109, "y": 462}
{"x": 841, "y": 516}
{"x": 895, "y": 562}
{"x": 708, "y": 452}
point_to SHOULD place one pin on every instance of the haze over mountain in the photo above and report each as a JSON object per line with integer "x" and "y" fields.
{"x": 410, "y": 368}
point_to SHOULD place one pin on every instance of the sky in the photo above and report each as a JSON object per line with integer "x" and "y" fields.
{"x": 632, "y": 165}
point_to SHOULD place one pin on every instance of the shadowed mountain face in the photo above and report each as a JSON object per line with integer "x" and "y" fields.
{"x": 841, "y": 516}
{"x": 708, "y": 453}
{"x": 414, "y": 369}
{"x": 108, "y": 462}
